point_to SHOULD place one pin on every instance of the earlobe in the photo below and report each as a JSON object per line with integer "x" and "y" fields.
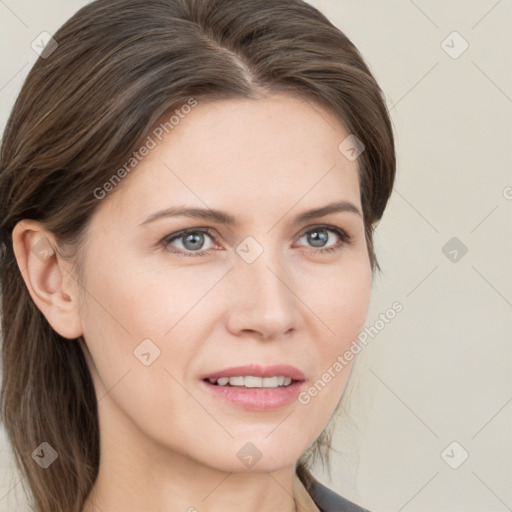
{"x": 47, "y": 277}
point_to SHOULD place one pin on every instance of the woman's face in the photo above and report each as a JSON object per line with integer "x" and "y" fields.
{"x": 163, "y": 311}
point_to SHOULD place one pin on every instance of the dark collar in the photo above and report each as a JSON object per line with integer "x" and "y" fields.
{"x": 329, "y": 501}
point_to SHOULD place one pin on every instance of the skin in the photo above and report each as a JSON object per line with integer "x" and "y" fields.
{"x": 165, "y": 443}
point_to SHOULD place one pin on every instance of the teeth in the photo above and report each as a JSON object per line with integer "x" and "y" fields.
{"x": 253, "y": 382}
{"x": 236, "y": 381}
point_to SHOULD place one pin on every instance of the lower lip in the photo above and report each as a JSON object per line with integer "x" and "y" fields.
{"x": 256, "y": 399}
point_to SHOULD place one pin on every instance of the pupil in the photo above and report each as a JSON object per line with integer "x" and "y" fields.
{"x": 196, "y": 244}
{"x": 320, "y": 235}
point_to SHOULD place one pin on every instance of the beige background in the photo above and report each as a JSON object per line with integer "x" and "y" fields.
{"x": 440, "y": 371}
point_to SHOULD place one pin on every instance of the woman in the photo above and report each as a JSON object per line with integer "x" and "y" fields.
{"x": 189, "y": 191}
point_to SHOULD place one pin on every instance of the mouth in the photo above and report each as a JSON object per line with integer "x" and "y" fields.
{"x": 255, "y": 388}
{"x": 251, "y": 381}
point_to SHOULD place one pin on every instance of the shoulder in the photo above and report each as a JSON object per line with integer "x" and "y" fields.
{"x": 329, "y": 501}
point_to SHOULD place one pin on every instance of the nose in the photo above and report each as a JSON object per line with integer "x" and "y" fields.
{"x": 261, "y": 299}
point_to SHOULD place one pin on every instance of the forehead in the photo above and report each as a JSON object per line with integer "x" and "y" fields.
{"x": 246, "y": 153}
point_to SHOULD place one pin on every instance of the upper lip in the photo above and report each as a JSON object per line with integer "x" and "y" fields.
{"x": 256, "y": 370}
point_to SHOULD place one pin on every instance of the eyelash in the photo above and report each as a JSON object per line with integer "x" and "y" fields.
{"x": 166, "y": 241}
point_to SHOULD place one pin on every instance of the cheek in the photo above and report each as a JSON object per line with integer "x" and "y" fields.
{"x": 342, "y": 308}
{"x": 342, "y": 302}
{"x": 134, "y": 314}
{"x": 131, "y": 300}
{"x": 124, "y": 328}
{"x": 119, "y": 312}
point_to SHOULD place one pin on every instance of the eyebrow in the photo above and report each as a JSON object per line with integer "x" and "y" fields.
{"x": 222, "y": 217}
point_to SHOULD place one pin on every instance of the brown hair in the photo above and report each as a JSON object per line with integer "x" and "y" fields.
{"x": 119, "y": 66}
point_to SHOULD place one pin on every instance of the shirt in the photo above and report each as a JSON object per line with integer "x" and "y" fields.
{"x": 321, "y": 499}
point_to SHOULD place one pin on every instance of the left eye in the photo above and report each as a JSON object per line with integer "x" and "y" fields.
{"x": 193, "y": 239}
{"x": 320, "y": 234}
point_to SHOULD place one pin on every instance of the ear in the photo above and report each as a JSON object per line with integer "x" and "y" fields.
{"x": 48, "y": 277}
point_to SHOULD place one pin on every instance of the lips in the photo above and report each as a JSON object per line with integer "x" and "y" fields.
{"x": 258, "y": 371}
{"x": 256, "y": 399}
